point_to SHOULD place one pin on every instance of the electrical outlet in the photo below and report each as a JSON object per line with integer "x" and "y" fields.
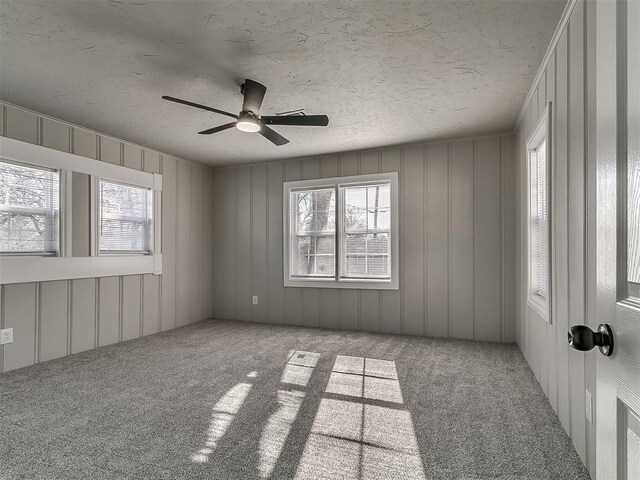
{"x": 254, "y": 300}
{"x": 6, "y": 336}
{"x": 588, "y": 406}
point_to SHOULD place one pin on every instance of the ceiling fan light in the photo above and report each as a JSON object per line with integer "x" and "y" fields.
{"x": 248, "y": 125}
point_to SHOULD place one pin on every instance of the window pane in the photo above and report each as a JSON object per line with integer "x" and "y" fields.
{"x": 314, "y": 245}
{"x": 355, "y": 243}
{"x": 538, "y": 222}
{"x": 378, "y": 207}
{"x": 125, "y": 218}
{"x": 378, "y": 243}
{"x": 29, "y": 209}
{"x": 377, "y": 265}
{"x": 325, "y": 265}
{"x": 367, "y": 219}
{"x": 355, "y": 208}
{"x": 355, "y": 266}
{"x": 315, "y": 210}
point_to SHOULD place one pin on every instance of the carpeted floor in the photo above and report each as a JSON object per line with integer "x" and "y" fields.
{"x": 227, "y": 400}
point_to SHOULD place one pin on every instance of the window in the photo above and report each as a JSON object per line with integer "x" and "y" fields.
{"x": 538, "y": 228}
{"x": 29, "y": 210}
{"x": 342, "y": 232}
{"x": 125, "y": 218}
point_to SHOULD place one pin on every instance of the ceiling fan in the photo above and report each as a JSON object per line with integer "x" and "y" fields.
{"x": 249, "y": 119}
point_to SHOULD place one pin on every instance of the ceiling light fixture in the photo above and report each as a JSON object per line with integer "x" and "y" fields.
{"x": 248, "y": 123}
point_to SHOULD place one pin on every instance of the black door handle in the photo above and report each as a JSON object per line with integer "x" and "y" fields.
{"x": 584, "y": 339}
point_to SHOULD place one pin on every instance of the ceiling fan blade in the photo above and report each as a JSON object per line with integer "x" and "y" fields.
{"x": 273, "y": 136}
{"x": 217, "y": 129}
{"x": 197, "y": 105}
{"x": 253, "y": 96}
{"x": 300, "y": 120}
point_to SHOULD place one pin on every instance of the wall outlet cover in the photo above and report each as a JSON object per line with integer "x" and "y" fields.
{"x": 6, "y": 336}
{"x": 254, "y": 300}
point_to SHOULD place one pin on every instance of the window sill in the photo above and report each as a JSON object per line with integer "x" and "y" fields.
{"x": 352, "y": 284}
{"x": 44, "y": 269}
{"x": 540, "y": 307}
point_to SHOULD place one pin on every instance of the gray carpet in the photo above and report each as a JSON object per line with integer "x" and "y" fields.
{"x": 226, "y": 400}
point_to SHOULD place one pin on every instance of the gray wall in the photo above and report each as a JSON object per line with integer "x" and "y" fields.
{"x": 54, "y": 319}
{"x": 457, "y": 242}
{"x": 564, "y": 373}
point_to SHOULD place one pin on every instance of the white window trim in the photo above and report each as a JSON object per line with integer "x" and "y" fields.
{"x": 37, "y": 268}
{"x": 542, "y": 131}
{"x": 337, "y": 282}
{"x": 150, "y": 241}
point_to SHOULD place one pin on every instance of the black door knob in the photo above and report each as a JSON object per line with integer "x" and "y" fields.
{"x": 584, "y": 339}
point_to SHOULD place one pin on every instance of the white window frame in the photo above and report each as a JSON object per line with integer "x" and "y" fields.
{"x": 149, "y": 231}
{"x": 337, "y": 282}
{"x": 58, "y": 241}
{"x": 541, "y": 132}
{"x": 35, "y": 268}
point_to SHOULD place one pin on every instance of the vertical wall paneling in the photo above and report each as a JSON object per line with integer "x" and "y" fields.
{"x": 508, "y": 208}
{"x": 83, "y": 312}
{"x": 462, "y": 240}
{"x": 551, "y": 329}
{"x": 183, "y": 248}
{"x": 217, "y": 244}
{"x": 56, "y": 135}
{"x": 561, "y": 304}
{"x": 53, "y": 319}
{"x": 207, "y": 244}
{"x": 52, "y": 325}
{"x": 109, "y": 311}
{"x": 292, "y": 295}
{"x": 566, "y": 82}
{"x": 437, "y": 240}
{"x": 111, "y": 151}
{"x": 275, "y": 274}
{"x": 243, "y": 239}
{"x": 413, "y": 244}
{"x": 196, "y": 250}
{"x": 131, "y": 156}
{"x": 19, "y": 313}
{"x": 454, "y": 197}
{"x": 259, "y": 247}
{"x": 21, "y": 125}
{"x": 85, "y": 143}
{"x": 488, "y": 226}
{"x": 131, "y": 293}
{"x": 169, "y": 242}
{"x": 151, "y": 304}
{"x": 576, "y": 187}
{"x": 229, "y": 244}
{"x": 390, "y": 300}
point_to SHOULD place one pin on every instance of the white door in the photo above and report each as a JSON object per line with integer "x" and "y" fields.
{"x": 618, "y": 237}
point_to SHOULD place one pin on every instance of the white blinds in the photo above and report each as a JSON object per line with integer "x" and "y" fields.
{"x": 539, "y": 231}
{"x": 125, "y": 218}
{"x": 29, "y": 209}
{"x": 366, "y": 231}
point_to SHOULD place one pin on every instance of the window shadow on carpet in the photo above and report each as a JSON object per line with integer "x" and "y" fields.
{"x": 354, "y": 424}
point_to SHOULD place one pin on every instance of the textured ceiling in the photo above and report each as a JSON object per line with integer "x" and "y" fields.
{"x": 386, "y": 72}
